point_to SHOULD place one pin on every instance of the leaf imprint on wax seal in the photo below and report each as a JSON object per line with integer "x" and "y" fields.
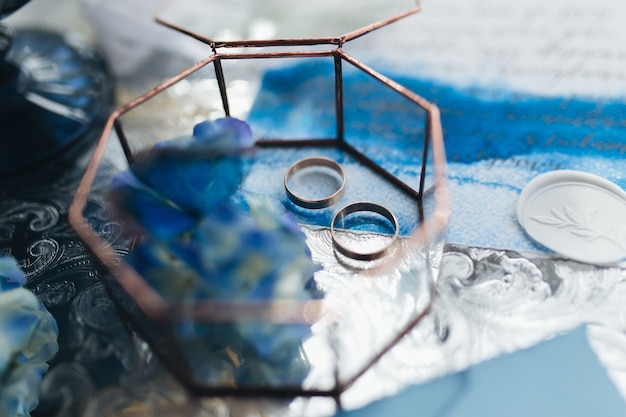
{"x": 581, "y": 226}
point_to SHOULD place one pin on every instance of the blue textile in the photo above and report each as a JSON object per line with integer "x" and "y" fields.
{"x": 496, "y": 142}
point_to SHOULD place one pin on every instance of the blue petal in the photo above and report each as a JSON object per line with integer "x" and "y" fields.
{"x": 228, "y": 133}
{"x": 169, "y": 275}
{"x": 192, "y": 178}
{"x": 141, "y": 207}
{"x": 11, "y": 276}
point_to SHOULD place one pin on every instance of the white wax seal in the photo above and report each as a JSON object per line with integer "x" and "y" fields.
{"x": 576, "y": 214}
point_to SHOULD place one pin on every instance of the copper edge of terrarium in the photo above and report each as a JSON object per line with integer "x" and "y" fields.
{"x": 336, "y": 40}
{"x": 281, "y": 311}
{"x": 143, "y": 294}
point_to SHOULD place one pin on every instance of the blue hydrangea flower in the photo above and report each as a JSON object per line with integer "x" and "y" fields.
{"x": 177, "y": 181}
{"x": 142, "y": 209}
{"x": 206, "y": 239}
{"x": 28, "y": 338}
{"x": 11, "y": 276}
{"x": 200, "y": 171}
{"x": 259, "y": 253}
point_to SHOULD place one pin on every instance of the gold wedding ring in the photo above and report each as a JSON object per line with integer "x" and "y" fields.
{"x": 363, "y": 206}
{"x": 312, "y": 162}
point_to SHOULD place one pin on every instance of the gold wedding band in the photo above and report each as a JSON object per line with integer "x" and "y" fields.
{"x": 311, "y": 162}
{"x": 363, "y": 206}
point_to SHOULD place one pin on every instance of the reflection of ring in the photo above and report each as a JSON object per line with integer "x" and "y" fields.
{"x": 363, "y": 206}
{"x": 310, "y": 162}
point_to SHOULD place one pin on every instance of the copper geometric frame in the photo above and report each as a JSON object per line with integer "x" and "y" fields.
{"x": 153, "y": 306}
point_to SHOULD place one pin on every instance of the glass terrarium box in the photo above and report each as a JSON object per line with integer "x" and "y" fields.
{"x": 280, "y": 247}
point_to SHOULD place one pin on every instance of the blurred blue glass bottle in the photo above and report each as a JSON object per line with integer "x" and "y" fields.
{"x": 55, "y": 94}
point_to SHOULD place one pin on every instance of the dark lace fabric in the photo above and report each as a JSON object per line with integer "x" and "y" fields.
{"x": 94, "y": 345}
